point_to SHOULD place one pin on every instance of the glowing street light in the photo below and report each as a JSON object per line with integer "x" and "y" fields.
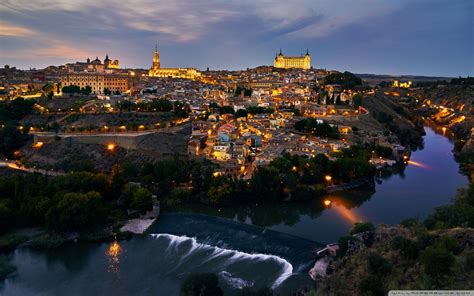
{"x": 327, "y": 202}
{"x": 328, "y": 178}
{"x": 38, "y": 145}
{"x": 111, "y": 147}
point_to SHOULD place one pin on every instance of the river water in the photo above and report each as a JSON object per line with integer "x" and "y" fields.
{"x": 252, "y": 246}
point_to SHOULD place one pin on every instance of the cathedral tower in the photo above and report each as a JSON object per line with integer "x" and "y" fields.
{"x": 156, "y": 59}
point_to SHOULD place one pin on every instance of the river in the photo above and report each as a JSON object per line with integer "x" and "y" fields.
{"x": 252, "y": 246}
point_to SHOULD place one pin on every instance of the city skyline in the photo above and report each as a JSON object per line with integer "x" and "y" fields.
{"x": 422, "y": 37}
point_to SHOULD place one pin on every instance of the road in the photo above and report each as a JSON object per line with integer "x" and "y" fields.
{"x": 14, "y": 166}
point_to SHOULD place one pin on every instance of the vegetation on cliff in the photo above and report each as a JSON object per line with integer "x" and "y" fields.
{"x": 435, "y": 253}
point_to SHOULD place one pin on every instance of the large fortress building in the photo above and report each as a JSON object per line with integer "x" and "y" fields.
{"x": 157, "y": 71}
{"x": 301, "y": 62}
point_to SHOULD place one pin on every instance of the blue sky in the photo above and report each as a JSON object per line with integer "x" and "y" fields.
{"x": 425, "y": 37}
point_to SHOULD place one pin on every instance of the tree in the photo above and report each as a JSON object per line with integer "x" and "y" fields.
{"x": 346, "y": 79}
{"x": 226, "y": 110}
{"x": 107, "y": 91}
{"x": 71, "y": 89}
{"x": 142, "y": 200}
{"x": 15, "y": 110}
{"x": 47, "y": 88}
{"x": 201, "y": 284}
{"x": 76, "y": 211}
{"x": 241, "y": 113}
{"x": 12, "y": 139}
{"x": 343, "y": 243}
{"x": 181, "y": 110}
{"x": 6, "y": 215}
{"x": 357, "y": 100}
{"x": 86, "y": 90}
{"x": 220, "y": 193}
{"x": 323, "y": 130}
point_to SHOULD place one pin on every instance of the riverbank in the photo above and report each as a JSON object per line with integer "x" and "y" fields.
{"x": 140, "y": 225}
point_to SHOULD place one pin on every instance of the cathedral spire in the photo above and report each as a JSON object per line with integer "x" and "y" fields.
{"x": 307, "y": 52}
{"x": 280, "y": 52}
{"x": 156, "y": 58}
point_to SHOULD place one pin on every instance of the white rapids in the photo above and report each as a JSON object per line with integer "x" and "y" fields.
{"x": 229, "y": 256}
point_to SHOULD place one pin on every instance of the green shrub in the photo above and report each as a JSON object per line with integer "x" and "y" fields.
{"x": 437, "y": 263}
{"x": 470, "y": 260}
{"x": 407, "y": 247}
{"x": 378, "y": 265}
{"x": 371, "y": 285}
{"x": 10, "y": 242}
{"x": 47, "y": 241}
{"x": 409, "y": 223}
{"x": 343, "y": 245}
{"x": 362, "y": 227}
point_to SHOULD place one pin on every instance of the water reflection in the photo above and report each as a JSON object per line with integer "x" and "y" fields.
{"x": 348, "y": 215}
{"x": 113, "y": 256}
{"x": 418, "y": 164}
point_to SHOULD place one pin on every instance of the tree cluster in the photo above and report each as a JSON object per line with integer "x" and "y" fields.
{"x": 74, "y": 89}
{"x": 312, "y": 126}
{"x": 346, "y": 79}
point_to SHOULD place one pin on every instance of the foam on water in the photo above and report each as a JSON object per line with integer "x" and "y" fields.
{"x": 235, "y": 282}
{"x": 232, "y": 257}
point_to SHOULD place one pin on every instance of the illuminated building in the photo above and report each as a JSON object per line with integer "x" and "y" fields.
{"x": 97, "y": 81}
{"x": 109, "y": 64}
{"x": 94, "y": 65}
{"x": 157, "y": 71}
{"x": 301, "y": 62}
{"x": 400, "y": 84}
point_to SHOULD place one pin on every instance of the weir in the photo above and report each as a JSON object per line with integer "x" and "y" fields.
{"x": 232, "y": 235}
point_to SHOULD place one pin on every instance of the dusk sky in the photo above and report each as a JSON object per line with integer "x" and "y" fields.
{"x": 425, "y": 37}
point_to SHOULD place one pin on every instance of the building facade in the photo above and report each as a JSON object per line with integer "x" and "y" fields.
{"x": 97, "y": 81}
{"x": 286, "y": 62}
{"x": 157, "y": 71}
{"x": 94, "y": 65}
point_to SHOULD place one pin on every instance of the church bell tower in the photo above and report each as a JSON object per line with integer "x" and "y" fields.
{"x": 156, "y": 58}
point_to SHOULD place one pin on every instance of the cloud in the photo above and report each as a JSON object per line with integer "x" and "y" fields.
{"x": 235, "y": 33}
{"x": 50, "y": 50}
{"x": 12, "y": 30}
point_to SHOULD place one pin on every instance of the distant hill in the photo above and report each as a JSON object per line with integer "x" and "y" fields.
{"x": 374, "y": 79}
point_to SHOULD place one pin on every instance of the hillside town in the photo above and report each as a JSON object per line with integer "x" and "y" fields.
{"x": 238, "y": 119}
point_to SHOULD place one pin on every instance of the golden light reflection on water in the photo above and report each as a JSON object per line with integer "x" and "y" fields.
{"x": 418, "y": 164}
{"x": 347, "y": 214}
{"x": 113, "y": 256}
{"x": 342, "y": 207}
